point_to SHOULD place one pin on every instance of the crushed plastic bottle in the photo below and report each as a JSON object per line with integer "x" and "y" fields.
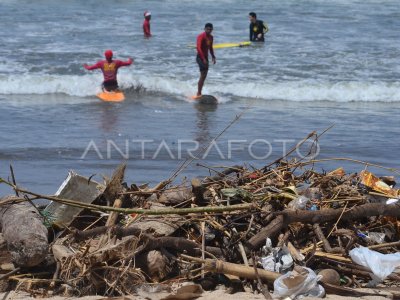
{"x": 299, "y": 203}
{"x": 362, "y": 235}
{"x": 377, "y": 237}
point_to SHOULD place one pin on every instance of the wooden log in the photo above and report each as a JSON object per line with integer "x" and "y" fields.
{"x": 218, "y": 266}
{"x": 271, "y": 230}
{"x": 287, "y": 217}
{"x": 24, "y": 233}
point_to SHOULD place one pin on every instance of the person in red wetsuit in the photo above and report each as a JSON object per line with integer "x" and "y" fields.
{"x": 109, "y": 67}
{"x": 204, "y": 44}
{"x": 146, "y": 24}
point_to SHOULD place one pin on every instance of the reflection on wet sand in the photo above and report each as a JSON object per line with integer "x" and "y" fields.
{"x": 202, "y": 114}
{"x": 109, "y": 117}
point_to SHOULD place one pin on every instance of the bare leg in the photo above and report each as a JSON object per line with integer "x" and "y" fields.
{"x": 203, "y": 75}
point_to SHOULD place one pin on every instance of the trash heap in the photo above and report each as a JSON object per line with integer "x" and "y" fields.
{"x": 284, "y": 229}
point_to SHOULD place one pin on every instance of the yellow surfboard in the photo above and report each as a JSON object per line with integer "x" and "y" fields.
{"x": 231, "y": 45}
{"x": 227, "y": 45}
{"x": 116, "y": 96}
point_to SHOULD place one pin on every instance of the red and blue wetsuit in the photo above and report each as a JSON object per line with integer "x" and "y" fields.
{"x": 110, "y": 70}
{"x": 204, "y": 44}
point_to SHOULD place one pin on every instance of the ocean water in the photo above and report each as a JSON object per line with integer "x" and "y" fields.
{"x": 323, "y": 64}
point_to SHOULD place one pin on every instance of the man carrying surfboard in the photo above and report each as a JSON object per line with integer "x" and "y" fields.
{"x": 109, "y": 67}
{"x": 257, "y": 28}
{"x": 204, "y": 45}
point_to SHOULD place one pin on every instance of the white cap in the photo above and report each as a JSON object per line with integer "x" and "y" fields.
{"x": 147, "y": 13}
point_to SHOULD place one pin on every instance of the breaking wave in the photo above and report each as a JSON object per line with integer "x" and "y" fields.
{"x": 88, "y": 85}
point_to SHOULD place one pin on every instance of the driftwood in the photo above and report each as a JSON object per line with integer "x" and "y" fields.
{"x": 153, "y": 243}
{"x": 24, "y": 233}
{"x": 121, "y": 249}
{"x": 327, "y": 246}
{"x": 218, "y": 266}
{"x": 175, "y": 196}
{"x": 114, "y": 186}
{"x": 112, "y": 219}
{"x": 118, "y": 231}
{"x": 198, "y": 190}
{"x": 176, "y": 243}
{"x": 287, "y": 217}
{"x": 221, "y": 175}
{"x": 158, "y": 225}
{"x": 347, "y": 292}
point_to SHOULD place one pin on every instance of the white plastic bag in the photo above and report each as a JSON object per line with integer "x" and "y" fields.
{"x": 381, "y": 265}
{"x": 299, "y": 282}
{"x": 280, "y": 262}
{"x": 276, "y": 259}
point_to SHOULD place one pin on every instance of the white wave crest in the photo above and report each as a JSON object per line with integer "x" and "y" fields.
{"x": 89, "y": 85}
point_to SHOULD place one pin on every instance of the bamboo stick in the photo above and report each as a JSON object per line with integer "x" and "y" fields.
{"x": 219, "y": 266}
{"x": 173, "y": 211}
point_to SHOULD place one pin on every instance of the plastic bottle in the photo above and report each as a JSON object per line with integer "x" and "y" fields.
{"x": 377, "y": 237}
{"x": 299, "y": 203}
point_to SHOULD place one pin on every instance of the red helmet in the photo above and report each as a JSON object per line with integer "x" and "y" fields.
{"x": 108, "y": 54}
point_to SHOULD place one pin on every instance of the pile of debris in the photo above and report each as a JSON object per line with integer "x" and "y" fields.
{"x": 285, "y": 229}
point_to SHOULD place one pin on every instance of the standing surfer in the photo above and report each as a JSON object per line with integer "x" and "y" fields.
{"x": 204, "y": 44}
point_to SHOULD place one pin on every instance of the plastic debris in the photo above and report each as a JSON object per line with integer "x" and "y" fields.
{"x": 277, "y": 259}
{"x": 377, "y": 237}
{"x": 381, "y": 265}
{"x": 370, "y": 180}
{"x": 299, "y": 282}
{"x": 219, "y": 230}
{"x": 299, "y": 203}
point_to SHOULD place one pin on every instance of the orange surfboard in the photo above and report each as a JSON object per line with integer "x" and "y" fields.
{"x": 116, "y": 96}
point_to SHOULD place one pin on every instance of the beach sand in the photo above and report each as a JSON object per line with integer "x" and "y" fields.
{"x": 219, "y": 293}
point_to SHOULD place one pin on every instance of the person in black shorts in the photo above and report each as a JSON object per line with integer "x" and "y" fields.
{"x": 204, "y": 45}
{"x": 202, "y": 66}
{"x": 109, "y": 67}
